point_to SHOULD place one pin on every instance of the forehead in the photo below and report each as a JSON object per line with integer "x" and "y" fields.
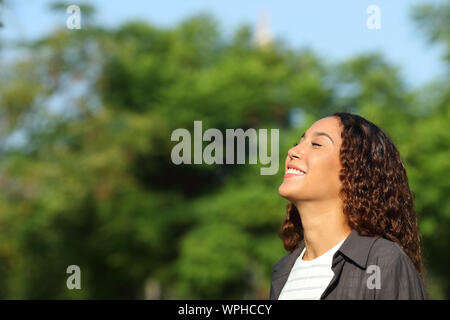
{"x": 330, "y": 125}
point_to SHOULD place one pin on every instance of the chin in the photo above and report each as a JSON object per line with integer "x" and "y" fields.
{"x": 285, "y": 192}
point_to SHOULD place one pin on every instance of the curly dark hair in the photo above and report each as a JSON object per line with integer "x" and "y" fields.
{"x": 375, "y": 191}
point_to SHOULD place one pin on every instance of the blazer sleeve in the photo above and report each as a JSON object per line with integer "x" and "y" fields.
{"x": 272, "y": 294}
{"x": 399, "y": 280}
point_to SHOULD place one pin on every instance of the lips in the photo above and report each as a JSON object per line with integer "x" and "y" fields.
{"x": 294, "y": 171}
{"x": 293, "y": 166}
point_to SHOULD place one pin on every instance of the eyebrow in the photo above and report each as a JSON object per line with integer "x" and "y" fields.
{"x": 319, "y": 134}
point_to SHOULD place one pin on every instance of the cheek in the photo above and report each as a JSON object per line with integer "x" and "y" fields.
{"x": 326, "y": 168}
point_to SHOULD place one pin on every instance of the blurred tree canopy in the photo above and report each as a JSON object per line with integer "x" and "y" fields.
{"x": 86, "y": 177}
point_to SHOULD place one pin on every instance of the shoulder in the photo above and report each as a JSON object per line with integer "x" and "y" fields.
{"x": 386, "y": 249}
{"x": 282, "y": 261}
{"x": 388, "y": 253}
{"x": 284, "y": 264}
{"x": 397, "y": 273}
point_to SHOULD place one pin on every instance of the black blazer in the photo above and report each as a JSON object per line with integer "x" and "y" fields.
{"x": 364, "y": 267}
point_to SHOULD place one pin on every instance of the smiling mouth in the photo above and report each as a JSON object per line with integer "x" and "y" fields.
{"x": 293, "y": 173}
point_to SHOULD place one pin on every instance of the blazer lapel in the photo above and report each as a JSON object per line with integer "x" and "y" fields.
{"x": 282, "y": 269}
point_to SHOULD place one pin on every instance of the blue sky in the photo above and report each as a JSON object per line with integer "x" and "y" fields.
{"x": 335, "y": 30}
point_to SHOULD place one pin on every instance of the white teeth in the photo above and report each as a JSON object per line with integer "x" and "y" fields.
{"x": 294, "y": 171}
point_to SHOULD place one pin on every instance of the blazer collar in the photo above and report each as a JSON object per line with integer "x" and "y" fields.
{"x": 355, "y": 247}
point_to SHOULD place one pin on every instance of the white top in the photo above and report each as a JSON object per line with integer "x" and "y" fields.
{"x": 309, "y": 279}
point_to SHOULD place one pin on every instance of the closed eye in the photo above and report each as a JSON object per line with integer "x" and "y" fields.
{"x": 313, "y": 143}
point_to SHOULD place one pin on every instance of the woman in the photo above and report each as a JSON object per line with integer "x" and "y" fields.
{"x": 350, "y": 226}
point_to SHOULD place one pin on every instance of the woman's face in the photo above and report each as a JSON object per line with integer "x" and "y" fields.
{"x": 317, "y": 154}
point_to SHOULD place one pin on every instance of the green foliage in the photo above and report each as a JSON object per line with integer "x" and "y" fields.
{"x": 213, "y": 262}
{"x": 434, "y": 19}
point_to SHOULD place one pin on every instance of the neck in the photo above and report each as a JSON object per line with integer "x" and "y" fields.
{"x": 324, "y": 226}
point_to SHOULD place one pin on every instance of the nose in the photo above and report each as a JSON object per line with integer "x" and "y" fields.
{"x": 294, "y": 153}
